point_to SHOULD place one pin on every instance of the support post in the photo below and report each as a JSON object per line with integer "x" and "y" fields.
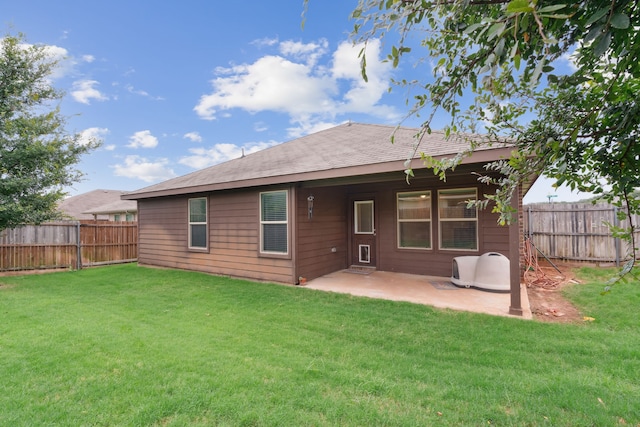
{"x": 516, "y": 241}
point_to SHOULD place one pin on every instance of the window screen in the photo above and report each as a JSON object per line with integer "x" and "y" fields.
{"x": 458, "y": 223}
{"x": 273, "y": 222}
{"x": 414, "y": 220}
{"x": 198, "y": 223}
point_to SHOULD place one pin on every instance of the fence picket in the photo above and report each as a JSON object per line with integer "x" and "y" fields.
{"x": 578, "y": 231}
{"x": 69, "y": 244}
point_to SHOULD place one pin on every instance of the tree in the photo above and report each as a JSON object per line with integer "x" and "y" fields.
{"x": 37, "y": 155}
{"x": 579, "y": 126}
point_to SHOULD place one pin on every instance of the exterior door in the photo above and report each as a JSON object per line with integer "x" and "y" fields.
{"x": 364, "y": 234}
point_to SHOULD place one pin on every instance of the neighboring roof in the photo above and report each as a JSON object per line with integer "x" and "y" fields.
{"x": 119, "y": 206}
{"x": 77, "y": 206}
{"x": 346, "y": 150}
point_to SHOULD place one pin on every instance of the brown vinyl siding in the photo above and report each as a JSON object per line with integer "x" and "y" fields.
{"x": 435, "y": 261}
{"x": 233, "y": 238}
{"x": 234, "y": 231}
{"x": 327, "y": 229}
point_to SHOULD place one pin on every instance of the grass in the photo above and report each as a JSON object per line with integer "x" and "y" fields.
{"x": 127, "y": 345}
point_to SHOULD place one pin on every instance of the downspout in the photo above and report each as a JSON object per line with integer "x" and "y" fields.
{"x": 293, "y": 212}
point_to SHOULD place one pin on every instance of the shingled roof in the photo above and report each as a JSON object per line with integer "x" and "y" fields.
{"x": 350, "y": 149}
{"x": 82, "y": 206}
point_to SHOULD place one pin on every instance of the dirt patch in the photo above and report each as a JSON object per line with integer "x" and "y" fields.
{"x": 544, "y": 289}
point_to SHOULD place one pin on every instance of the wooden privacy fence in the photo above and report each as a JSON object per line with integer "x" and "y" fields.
{"x": 577, "y": 231}
{"x": 70, "y": 244}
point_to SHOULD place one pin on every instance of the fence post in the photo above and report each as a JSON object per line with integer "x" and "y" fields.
{"x": 530, "y": 231}
{"x": 78, "y": 247}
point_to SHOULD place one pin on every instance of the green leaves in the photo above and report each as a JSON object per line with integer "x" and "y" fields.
{"x": 598, "y": 15}
{"x": 551, "y": 8}
{"x": 519, "y": 6}
{"x": 496, "y": 30}
{"x": 396, "y": 53}
{"x": 602, "y": 45}
{"x": 601, "y": 24}
{"x": 36, "y": 154}
{"x": 579, "y": 125}
{"x": 620, "y": 21}
{"x": 363, "y": 64}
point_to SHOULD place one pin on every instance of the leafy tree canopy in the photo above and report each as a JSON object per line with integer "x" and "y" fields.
{"x": 577, "y": 124}
{"x": 37, "y": 155}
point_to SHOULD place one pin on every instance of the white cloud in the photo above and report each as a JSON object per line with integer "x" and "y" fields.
{"x": 143, "y": 139}
{"x": 308, "y": 52}
{"x": 260, "y": 127}
{"x": 88, "y": 58}
{"x": 56, "y": 53}
{"x": 93, "y": 134}
{"x": 205, "y": 157}
{"x": 272, "y": 83}
{"x": 84, "y": 91}
{"x": 140, "y": 168}
{"x": 571, "y": 60}
{"x": 296, "y": 83}
{"x": 131, "y": 89}
{"x": 362, "y": 97}
{"x": 110, "y": 147}
{"x": 265, "y": 42}
{"x": 305, "y": 127}
{"x": 144, "y": 93}
{"x": 193, "y": 136}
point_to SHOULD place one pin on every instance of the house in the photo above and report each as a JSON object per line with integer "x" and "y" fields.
{"x": 99, "y": 205}
{"x": 118, "y": 211}
{"x": 324, "y": 202}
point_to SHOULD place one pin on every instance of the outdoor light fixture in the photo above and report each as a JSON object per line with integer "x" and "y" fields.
{"x": 310, "y": 206}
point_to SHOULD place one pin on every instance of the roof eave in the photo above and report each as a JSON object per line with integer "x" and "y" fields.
{"x": 111, "y": 212}
{"x": 480, "y": 156}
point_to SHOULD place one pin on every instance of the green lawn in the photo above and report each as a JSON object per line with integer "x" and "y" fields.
{"x": 127, "y": 345}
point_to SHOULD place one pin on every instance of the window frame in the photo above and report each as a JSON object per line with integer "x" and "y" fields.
{"x": 262, "y": 222}
{"x": 474, "y": 219}
{"x": 400, "y": 221}
{"x": 192, "y": 223}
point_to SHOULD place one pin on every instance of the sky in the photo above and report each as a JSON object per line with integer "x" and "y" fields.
{"x": 173, "y": 87}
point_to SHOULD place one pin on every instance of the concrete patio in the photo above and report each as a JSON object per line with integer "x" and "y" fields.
{"x": 429, "y": 290}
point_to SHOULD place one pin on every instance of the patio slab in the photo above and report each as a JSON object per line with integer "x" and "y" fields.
{"x": 429, "y": 290}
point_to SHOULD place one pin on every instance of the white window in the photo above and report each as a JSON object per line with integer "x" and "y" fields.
{"x": 414, "y": 220}
{"x": 458, "y": 223}
{"x": 198, "y": 223}
{"x": 274, "y": 234}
